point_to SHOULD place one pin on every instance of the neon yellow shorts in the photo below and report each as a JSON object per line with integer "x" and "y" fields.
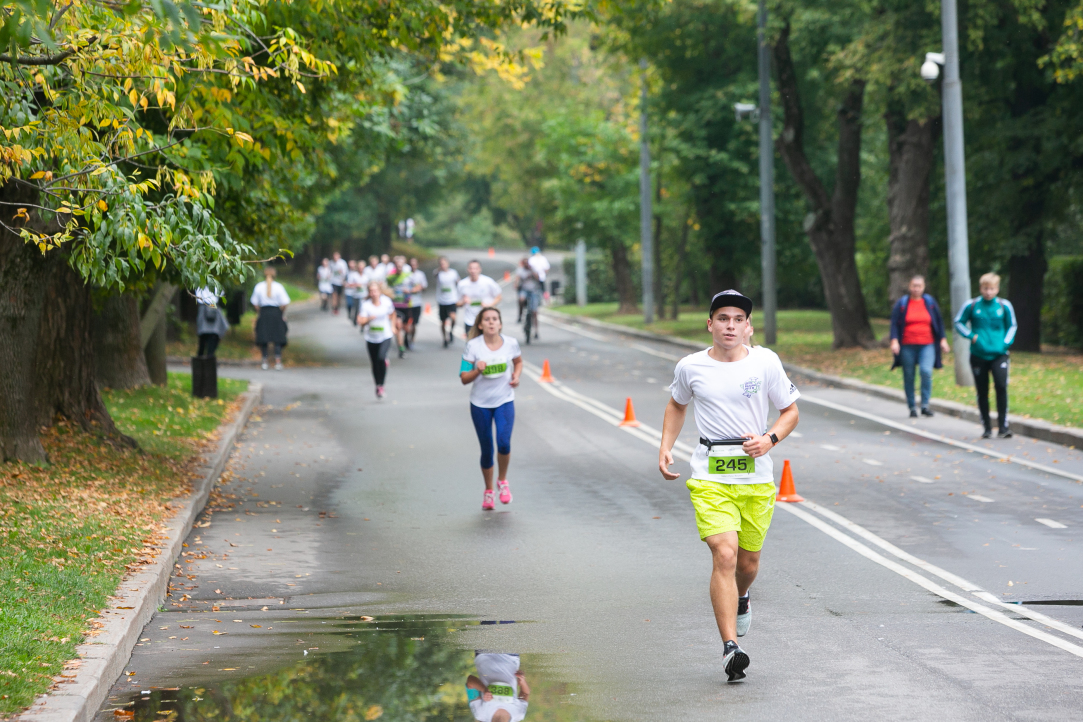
{"x": 744, "y": 508}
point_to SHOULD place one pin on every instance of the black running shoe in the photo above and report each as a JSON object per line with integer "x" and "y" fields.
{"x": 1004, "y": 434}
{"x": 735, "y": 662}
{"x": 913, "y": 413}
{"x": 927, "y": 412}
{"x": 987, "y": 434}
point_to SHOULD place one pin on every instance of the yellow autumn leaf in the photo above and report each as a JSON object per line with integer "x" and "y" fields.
{"x": 374, "y": 712}
{"x": 39, "y": 174}
{"x": 103, "y": 206}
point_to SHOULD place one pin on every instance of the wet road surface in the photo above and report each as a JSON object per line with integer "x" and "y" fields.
{"x": 341, "y": 514}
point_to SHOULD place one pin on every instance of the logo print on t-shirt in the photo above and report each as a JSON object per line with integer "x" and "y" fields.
{"x": 750, "y": 387}
{"x": 793, "y": 389}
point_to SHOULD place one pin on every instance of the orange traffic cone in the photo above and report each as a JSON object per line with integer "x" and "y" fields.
{"x": 428, "y": 308}
{"x": 786, "y": 492}
{"x": 629, "y": 414}
{"x": 546, "y": 376}
{"x": 492, "y": 252}
{"x": 507, "y": 275}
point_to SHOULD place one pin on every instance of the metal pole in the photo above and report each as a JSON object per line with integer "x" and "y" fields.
{"x": 580, "y": 273}
{"x": 646, "y": 246}
{"x": 767, "y": 187}
{"x": 955, "y": 183}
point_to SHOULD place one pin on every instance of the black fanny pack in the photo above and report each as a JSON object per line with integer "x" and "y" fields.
{"x": 721, "y": 442}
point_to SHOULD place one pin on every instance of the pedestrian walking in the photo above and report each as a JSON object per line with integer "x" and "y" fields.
{"x": 211, "y": 325}
{"x": 732, "y": 482}
{"x": 990, "y": 324}
{"x": 323, "y": 284}
{"x": 917, "y": 340}
{"x": 270, "y": 300}
{"x": 379, "y": 323}
{"x": 447, "y": 298}
{"x": 499, "y": 692}
{"x": 493, "y": 363}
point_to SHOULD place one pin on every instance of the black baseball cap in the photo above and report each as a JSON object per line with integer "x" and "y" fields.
{"x": 731, "y": 298}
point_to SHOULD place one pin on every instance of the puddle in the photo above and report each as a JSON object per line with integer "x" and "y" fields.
{"x": 402, "y": 668}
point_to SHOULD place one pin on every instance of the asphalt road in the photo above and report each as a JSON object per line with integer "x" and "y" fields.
{"x": 884, "y": 598}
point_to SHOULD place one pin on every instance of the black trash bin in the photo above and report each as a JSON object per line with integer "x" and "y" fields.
{"x": 205, "y": 377}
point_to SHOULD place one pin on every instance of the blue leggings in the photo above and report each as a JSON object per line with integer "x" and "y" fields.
{"x": 504, "y": 416}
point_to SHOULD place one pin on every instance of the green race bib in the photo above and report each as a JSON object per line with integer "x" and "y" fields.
{"x": 475, "y": 303}
{"x": 743, "y": 464}
{"x": 376, "y": 329}
{"x": 494, "y": 369}
{"x": 445, "y": 290}
{"x": 501, "y": 690}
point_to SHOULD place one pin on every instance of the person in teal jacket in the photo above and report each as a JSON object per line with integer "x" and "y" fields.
{"x": 990, "y": 324}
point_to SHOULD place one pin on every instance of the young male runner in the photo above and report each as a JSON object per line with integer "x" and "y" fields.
{"x": 419, "y": 282}
{"x": 732, "y": 483}
{"x": 477, "y": 292}
{"x": 339, "y": 269}
{"x": 991, "y": 331}
{"x": 447, "y": 298}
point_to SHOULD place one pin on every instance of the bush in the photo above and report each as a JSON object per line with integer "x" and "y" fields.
{"x": 1062, "y": 310}
{"x": 601, "y": 285}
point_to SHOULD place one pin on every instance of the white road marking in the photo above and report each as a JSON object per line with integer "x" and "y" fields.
{"x": 922, "y": 479}
{"x": 979, "y": 497}
{"x": 656, "y": 352}
{"x": 830, "y": 447}
{"x": 1052, "y": 524}
{"x": 796, "y": 434}
{"x": 941, "y": 438}
{"x": 873, "y": 462}
{"x": 653, "y": 437}
{"x": 575, "y": 329}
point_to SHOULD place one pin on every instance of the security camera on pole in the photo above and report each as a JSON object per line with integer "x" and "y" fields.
{"x": 954, "y": 176}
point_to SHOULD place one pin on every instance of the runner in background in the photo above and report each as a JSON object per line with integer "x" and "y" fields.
{"x": 354, "y": 292}
{"x": 447, "y": 298}
{"x": 418, "y": 282}
{"x": 398, "y": 278}
{"x": 323, "y": 284}
{"x": 499, "y": 692}
{"x": 493, "y": 363}
{"x": 339, "y": 269}
{"x": 373, "y": 273}
{"x": 379, "y": 323}
{"x": 477, "y": 292}
{"x": 989, "y": 322}
{"x": 385, "y": 265}
{"x": 732, "y": 483}
{"x": 523, "y": 272}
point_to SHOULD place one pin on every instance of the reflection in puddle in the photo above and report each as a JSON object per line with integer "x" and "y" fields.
{"x": 400, "y": 669}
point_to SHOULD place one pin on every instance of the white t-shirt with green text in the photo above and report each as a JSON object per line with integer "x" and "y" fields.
{"x": 493, "y": 387}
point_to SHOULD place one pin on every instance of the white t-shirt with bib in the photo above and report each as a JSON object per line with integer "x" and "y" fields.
{"x": 323, "y": 279}
{"x": 483, "y": 290}
{"x": 418, "y": 279}
{"x": 381, "y": 319}
{"x": 447, "y": 291}
{"x": 339, "y": 269}
{"x": 731, "y": 400}
{"x": 353, "y": 284}
{"x": 493, "y": 387}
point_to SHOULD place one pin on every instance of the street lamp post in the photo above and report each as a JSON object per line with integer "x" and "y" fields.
{"x": 767, "y": 186}
{"x": 954, "y": 176}
{"x": 646, "y": 246}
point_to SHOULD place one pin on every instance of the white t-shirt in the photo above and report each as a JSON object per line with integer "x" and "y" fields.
{"x": 339, "y": 269}
{"x": 493, "y": 387}
{"x": 354, "y": 277}
{"x": 381, "y": 319}
{"x": 323, "y": 279}
{"x": 540, "y": 264}
{"x": 277, "y": 296}
{"x": 483, "y": 290}
{"x": 496, "y": 668}
{"x": 731, "y": 400}
{"x": 418, "y": 279}
{"x": 447, "y": 287}
{"x": 372, "y": 274}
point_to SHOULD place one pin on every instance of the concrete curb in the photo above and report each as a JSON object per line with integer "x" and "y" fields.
{"x": 1034, "y": 428}
{"x": 103, "y": 657}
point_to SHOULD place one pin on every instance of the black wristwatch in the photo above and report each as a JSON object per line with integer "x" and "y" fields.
{"x": 774, "y": 439}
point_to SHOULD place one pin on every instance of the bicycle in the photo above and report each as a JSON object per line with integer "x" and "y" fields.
{"x": 530, "y": 323}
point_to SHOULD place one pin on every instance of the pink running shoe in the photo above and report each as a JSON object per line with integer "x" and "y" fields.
{"x": 487, "y": 502}
{"x": 379, "y": 392}
{"x": 505, "y": 492}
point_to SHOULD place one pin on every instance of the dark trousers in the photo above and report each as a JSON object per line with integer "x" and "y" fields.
{"x": 999, "y": 368}
{"x": 208, "y": 344}
{"x": 266, "y": 348}
{"x": 378, "y": 358}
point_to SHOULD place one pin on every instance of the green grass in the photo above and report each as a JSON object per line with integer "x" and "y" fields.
{"x": 1044, "y": 386}
{"x": 71, "y": 527}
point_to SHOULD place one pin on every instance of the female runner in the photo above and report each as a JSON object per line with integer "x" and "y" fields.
{"x": 493, "y": 363}
{"x": 379, "y": 323}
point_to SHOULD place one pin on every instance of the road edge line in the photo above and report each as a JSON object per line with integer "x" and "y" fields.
{"x": 103, "y": 657}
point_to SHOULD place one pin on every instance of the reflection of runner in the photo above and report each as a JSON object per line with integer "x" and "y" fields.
{"x": 379, "y": 321}
{"x": 499, "y": 692}
{"x": 477, "y": 292}
{"x": 732, "y": 483}
{"x": 447, "y": 298}
{"x": 492, "y": 362}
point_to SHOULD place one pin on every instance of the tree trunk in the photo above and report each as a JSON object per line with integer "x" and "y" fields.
{"x": 1027, "y": 285}
{"x": 910, "y": 162}
{"x": 679, "y": 270}
{"x": 118, "y": 353}
{"x": 155, "y": 355}
{"x": 622, "y": 274}
{"x": 830, "y": 225}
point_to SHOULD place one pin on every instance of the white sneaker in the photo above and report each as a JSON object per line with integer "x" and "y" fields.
{"x": 263, "y": 366}
{"x": 278, "y": 365}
